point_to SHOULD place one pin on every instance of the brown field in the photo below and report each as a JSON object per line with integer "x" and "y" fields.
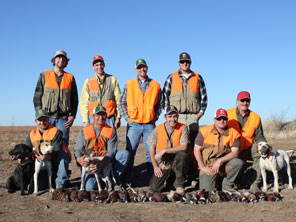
{"x": 14, "y": 207}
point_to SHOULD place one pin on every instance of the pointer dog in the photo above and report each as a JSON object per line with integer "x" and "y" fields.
{"x": 103, "y": 173}
{"x": 45, "y": 148}
{"x": 274, "y": 162}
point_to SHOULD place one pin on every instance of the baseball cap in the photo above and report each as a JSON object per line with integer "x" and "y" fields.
{"x": 40, "y": 113}
{"x": 99, "y": 109}
{"x": 171, "y": 109}
{"x": 184, "y": 56}
{"x": 60, "y": 52}
{"x": 243, "y": 95}
{"x": 140, "y": 62}
{"x": 220, "y": 113}
{"x": 97, "y": 58}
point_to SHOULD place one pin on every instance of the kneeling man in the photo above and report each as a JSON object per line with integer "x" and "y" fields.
{"x": 102, "y": 139}
{"x": 168, "y": 145}
{"x": 216, "y": 151}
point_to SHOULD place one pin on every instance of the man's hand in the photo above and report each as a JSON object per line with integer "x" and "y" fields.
{"x": 83, "y": 162}
{"x": 159, "y": 155}
{"x": 208, "y": 170}
{"x": 199, "y": 115}
{"x": 85, "y": 123}
{"x": 157, "y": 172}
{"x": 129, "y": 121}
{"x": 117, "y": 123}
{"x": 95, "y": 166}
{"x": 42, "y": 157}
{"x": 216, "y": 166}
{"x": 70, "y": 122}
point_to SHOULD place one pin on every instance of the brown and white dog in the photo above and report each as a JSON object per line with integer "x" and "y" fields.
{"x": 45, "y": 148}
{"x": 103, "y": 173}
{"x": 274, "y": 162}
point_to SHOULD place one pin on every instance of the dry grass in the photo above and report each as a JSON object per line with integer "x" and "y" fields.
{"x": 277, "y": 128}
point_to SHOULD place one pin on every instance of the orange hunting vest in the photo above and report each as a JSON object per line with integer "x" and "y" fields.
{"x": 163, "y": 141}
{"x": 48, "y": 136}
{"x": 185, "y": 96}
{"x": 96, "y": 98}
{"x": 55, "y": 96}
{"x": 140, "y": 106}
{"x": 248, "y": 130}
{"x": 99, "y": 146}
{"x": 211, "y": 149}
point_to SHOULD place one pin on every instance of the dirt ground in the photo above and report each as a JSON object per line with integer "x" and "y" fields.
{"x": 14, "y": 207}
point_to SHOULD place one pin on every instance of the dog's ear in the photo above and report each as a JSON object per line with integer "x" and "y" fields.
{"x": 269, "y": 147}
{"x": 256, "y": 148}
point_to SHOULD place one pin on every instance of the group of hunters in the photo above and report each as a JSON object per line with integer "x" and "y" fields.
{"x": 177, "y": 151}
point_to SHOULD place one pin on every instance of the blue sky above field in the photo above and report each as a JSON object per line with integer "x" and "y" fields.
{"x": 235, "y": 45}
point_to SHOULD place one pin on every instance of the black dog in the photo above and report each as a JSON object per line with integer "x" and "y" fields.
{"x": 23, "y": 173}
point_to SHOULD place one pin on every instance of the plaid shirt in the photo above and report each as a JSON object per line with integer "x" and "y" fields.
{"x": 203, "y": 99}
{"x": 37, "y": 100}
{"x": 143, "y": 86}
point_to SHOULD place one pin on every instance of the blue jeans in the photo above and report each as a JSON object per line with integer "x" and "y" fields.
{"x": 59, "y": 123}
{"x": 118, "y": 165}
{"x": 59, "y": 172}
{"x": 133, "y": 137}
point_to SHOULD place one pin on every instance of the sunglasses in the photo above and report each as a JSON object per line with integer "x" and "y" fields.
{"x": 245, "y": 100}
{"x": 222, "y": 118}
{"x": 185, "y": 61}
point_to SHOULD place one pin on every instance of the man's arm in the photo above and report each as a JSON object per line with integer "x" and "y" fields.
{"x": 233, "y": 154}
{"x": 203, "y": 95}
{"x": 79, "y": 147}
{"x": 74, "y": 98}
{"x": 123, "y": 105}
{"x": 167, "y": 91}
{"x": 37, "y": 99}
{"x": 259, "y": 135}
{"x": 83, "y": 103}
{"x": 158, "y": 106}
{"x": 156, "y": 168}
{"x": 117, "y": 98}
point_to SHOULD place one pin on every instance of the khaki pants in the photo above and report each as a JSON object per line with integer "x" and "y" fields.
{"x": 191, "y": 121}
{"x": 232, "y": 169}
{"x": 179, "y": 168}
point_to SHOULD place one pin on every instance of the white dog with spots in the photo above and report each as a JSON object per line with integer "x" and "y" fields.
{"x": 274, "y": 162}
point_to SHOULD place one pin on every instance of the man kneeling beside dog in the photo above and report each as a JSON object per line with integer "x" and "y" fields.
{"x": 101, "y": 140}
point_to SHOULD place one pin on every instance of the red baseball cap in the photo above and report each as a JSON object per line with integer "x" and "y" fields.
{"x": 96, "y": 58}
{"x": 221, "y": 112}
{"x": 243, "y": 95}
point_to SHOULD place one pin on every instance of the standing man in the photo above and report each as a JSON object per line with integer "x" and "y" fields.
{"x": 56, "y": 93}
{"x": 249, "y": 124}
{"x": 103, "y": 139}
{"x": 59, "y": 158}
{"x": 186, "y": 90}
{"x": 100, "y": 89}
{"x": 140, "y": 105}
{"x": 216, "y": 150}
{"x": 168, "y": 145}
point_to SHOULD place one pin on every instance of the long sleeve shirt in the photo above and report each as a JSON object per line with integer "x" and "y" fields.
{"x": 37, "y": 100}
{"x": 201, "y": 87}
{"x": 84, "y": 97}
{"x": 111, "y": 145}
{"x": 143, "y": 86}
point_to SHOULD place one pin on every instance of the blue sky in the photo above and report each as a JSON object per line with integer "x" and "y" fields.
{"x": 234, "y": 44}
